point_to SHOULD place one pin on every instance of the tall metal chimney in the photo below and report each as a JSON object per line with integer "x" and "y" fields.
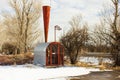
{"x": 46, "y": 16}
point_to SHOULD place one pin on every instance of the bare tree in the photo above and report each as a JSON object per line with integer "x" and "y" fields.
{"x": 113, "y": 21}
{"x": 22, "y": 24}
{"x": 3, "y": 35}
{"x": 75, "y": 38}
{"x": 99, "y": 38}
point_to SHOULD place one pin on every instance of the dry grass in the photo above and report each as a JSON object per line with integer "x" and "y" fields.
{"x": 16, "y": 59}
{"x": 103, "y": 66}
{"x": 83, "y": 64}
{"x": 78, "y": 64}
{"x": 115, "y": 68}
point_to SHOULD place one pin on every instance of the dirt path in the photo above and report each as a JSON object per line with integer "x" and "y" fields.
{"x": 104, "y": 75}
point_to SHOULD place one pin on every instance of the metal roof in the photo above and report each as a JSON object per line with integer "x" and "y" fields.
{"x": 41, "y": 47}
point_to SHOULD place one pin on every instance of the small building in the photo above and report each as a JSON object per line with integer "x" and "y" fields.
{"x": 49, "y": 54}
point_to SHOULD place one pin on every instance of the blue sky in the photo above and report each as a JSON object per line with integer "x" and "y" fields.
{"x": 63, "y": 10}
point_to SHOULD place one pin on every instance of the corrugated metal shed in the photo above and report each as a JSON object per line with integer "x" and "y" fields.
{"x": 40, "y": 54}
{"x": 42, "y": 47}
{"x": 48, "y": 54}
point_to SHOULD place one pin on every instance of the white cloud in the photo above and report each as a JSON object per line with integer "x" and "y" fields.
{"x": 3, "y": 4}
{"x": 88, "y": 8}
{"x": 63, "y": 10}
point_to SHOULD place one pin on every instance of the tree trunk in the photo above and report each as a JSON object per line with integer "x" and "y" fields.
{"x": 117, "y": 59}
{"x": 73, "y": 58}
{"x": 72, "y": 61}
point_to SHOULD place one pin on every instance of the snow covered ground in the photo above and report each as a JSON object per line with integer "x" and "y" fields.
{"x": 31, "y": 72}
{"x": 94, "y": 60}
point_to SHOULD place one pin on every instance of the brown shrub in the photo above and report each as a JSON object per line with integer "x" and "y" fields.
{"x": 5, "y": 60}
{"x": 16, "y": 59}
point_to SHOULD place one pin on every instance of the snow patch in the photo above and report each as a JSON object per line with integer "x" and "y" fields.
{"x": 40, "y": 73}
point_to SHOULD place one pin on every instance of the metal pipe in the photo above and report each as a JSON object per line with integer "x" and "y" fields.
{"x": 46, "y": 16}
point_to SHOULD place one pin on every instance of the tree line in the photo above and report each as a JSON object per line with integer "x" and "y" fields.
{"x": 21, "y": 25}
{"x": 104, "y": 38}
{"x": 20, "y": 30}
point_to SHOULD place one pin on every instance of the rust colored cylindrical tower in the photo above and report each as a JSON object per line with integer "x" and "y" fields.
{"x": 46, "y": 16}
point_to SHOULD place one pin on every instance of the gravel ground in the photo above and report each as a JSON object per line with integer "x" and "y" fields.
{"x": 104, "y": 75}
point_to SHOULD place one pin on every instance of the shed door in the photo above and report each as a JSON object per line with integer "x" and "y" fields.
{"x": 52, "y": 55}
